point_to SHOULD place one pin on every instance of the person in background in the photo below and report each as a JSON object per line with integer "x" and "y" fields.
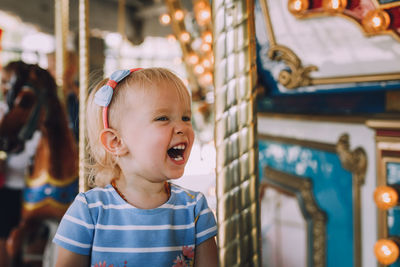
{"x": 140, "y": 137}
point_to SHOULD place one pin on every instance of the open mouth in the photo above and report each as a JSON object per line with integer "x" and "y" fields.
{"x": 176, "y": 152}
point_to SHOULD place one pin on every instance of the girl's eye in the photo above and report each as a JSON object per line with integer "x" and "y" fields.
{"x": 163, "y": 118}
{"x": 185, "y": 118}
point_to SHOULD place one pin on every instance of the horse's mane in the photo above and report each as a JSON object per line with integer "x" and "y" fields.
{"x": 55, "y": 125}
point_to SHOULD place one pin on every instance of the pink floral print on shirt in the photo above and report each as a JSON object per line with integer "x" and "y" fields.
{"x": 103, "y": 264}
{"x": 186, "y": 259}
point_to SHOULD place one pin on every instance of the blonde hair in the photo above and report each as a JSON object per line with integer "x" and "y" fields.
{"x": 102, "y": 165}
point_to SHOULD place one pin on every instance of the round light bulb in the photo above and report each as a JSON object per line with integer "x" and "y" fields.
{"x": 184, "y": 37}
{"x": 334, "y": 5}
{"x": 206, "y": 63}
{"x": 376, "y": 21}
{"x": 386, "y": 251}
{"x": 171, "y": 38}
{"x": 203, "y": 16}
{"x": 198, "y": 69}
{"x": 206, "y": 79}
{"x": 205, "y": 47}
{"x": 385, "y": 197}
{"x": 207, "y": 37}
{"x": 193, "y": 58}
{"x": 165, "y": 19}
{"x": 179, "y": 15}
{"x": 298, "y": 6}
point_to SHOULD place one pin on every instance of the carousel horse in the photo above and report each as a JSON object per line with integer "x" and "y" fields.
{"x": 52, "y": 180}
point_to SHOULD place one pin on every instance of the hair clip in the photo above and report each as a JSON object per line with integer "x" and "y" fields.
{"x": 104, "y": 95}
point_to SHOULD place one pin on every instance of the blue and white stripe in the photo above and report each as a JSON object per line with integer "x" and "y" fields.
{"x": 101, "y": 224}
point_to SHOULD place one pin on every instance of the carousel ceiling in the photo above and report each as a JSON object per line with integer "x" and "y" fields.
{"x": 141, "y": 16}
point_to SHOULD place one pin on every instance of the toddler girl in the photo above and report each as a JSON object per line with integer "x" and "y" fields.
{"x": 140, "y": 136}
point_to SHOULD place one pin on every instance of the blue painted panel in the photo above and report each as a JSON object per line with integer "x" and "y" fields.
{"x": 332, "y": 187}
{"x": 393, "y": 178}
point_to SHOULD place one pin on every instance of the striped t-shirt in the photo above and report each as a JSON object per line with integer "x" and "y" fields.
{"x": 101, "y": 224}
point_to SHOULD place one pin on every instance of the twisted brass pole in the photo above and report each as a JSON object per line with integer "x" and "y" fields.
{"x": 83, "y": 88}
{"x": 235, "y": 133}
{"x": 61, "y": 11}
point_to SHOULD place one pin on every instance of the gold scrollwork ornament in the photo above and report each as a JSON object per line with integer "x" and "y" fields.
{"x": 354, "y": 161}
{"x": 296, "y": 75}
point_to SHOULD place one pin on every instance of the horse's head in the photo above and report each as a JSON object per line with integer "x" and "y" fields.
{"x": 27, "y": 89}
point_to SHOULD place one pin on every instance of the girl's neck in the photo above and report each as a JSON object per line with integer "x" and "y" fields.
{"x": 142, "y": 195}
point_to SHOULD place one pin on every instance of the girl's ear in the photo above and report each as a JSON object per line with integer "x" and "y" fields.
{"x": 112, "y": 142}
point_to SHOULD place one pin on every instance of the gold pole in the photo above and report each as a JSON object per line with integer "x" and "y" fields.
{"x": 121, "y": 18}
{"x": 235, "y": 133}
{"x": 61, "y": 34}
{"x": 83, "y": 88}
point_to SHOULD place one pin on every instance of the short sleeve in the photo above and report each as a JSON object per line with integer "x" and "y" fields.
{"x": 75, "y": 232}
{"x": 206, "y": 226}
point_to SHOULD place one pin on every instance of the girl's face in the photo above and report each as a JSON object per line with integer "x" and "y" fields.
{"x": 157, "y": 130}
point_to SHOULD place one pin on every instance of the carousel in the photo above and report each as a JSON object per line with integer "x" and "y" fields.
{"x": 296, "y": 113}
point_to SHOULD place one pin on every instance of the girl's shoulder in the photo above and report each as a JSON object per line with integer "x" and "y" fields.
{"x": 99, "y": 194}
{"x": 185, "y": 194}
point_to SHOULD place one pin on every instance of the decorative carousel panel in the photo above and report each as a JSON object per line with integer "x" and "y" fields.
{"x": 311, "y": 52}
{"x": 386, "y": 193}
{"x": 393, "y": 214}
{"x": 310, "y": 191}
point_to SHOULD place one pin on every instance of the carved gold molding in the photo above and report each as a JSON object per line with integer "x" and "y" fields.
{"x": 299, "y": 75}
{"x": 301, "y": 188}
{"x": 356, "y": 162}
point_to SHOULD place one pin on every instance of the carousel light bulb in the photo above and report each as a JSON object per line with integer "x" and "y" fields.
{"x": 385, "y": 197}
{"x": 198, "y": 69}
{"x": 179, "y": 15}
{"x": 206, "y": 63}
{"x": 206, "y": 79}
{"x": 203, "y": 16}
{"x": 171, "y": 38}
{"x": 200, "y": 5}
{"x": 165, "y": 19}
{"x": 184, "y": 37}
{"x": 298, "y": 6}
{"x": 376, "y": 21}
{"x": 386, "y": 251}
{"x": 193, "y": 58}
{"x": 205, "y": 47}
{"x": 207, "y": 37}
{"x": 334, "y": 5}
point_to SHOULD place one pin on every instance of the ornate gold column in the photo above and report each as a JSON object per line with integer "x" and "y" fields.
{"x": 235, "y": 133}
{"x": 61, "y": 14}
{"x": 83, "y": 88}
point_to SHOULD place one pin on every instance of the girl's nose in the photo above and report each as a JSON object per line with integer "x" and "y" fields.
{"x": 180, "y": 128}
